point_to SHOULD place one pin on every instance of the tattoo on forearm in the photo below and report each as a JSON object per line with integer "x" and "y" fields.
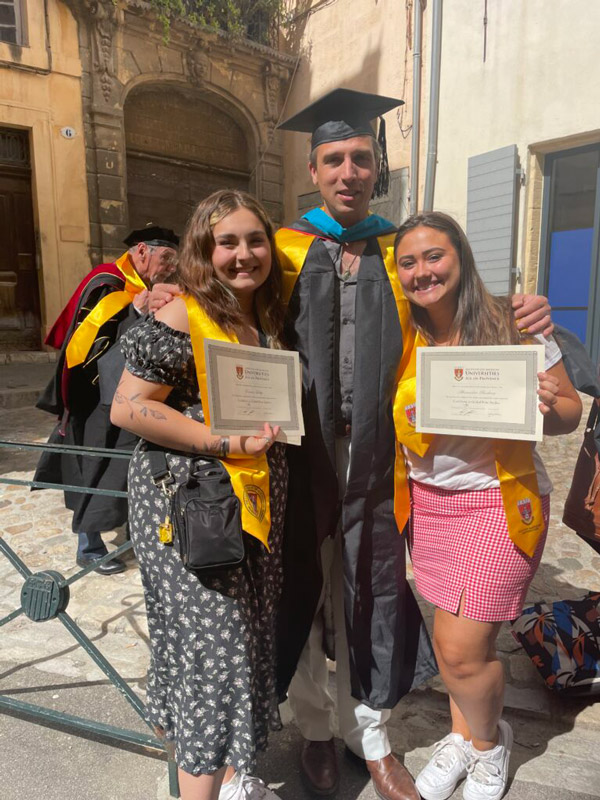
{"x": 212, "y": 448}
{"x": 137, "y": 407}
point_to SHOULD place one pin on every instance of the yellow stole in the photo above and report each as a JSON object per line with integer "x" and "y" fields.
{"x": 249, "y": 475}
{"x": 514, "y": 460}
{"x": 85, "y": 334}
{"x": 292, "y": 247}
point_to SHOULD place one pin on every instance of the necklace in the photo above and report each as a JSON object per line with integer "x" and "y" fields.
{"x": 347, "y": 269}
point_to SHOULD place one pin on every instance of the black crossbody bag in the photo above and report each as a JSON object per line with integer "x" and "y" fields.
{"x": 204, "y": 521}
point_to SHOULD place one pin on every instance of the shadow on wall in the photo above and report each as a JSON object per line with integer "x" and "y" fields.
{"x": 364, "y": 77}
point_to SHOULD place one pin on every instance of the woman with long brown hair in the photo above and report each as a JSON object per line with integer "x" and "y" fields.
{"x": 467, "y": 559}
{"x": 211, "y": 683}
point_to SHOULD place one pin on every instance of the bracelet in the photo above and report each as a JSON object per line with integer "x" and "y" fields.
{"x": 224, "y": 444}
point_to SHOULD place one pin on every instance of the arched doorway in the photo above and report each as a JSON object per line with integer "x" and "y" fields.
{"x": 180, "y": 147}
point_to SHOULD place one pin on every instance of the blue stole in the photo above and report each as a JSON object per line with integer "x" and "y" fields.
{"x": 373, "y": 225}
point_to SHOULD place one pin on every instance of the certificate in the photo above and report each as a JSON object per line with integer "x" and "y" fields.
{"x": 480, "y": 391}
{"x": 248, "y": 386}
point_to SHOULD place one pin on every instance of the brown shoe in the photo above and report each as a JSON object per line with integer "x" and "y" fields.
{"x": 392, "y": 781}
{"x": 319, "y": 767}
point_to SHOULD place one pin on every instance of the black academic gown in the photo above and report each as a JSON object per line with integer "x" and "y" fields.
{"x": 84, "y": 418}
{"x": 389, "y": 648}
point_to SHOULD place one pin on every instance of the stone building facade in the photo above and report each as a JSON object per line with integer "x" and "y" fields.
{"x": 171, "y": 116}
{"x": 108, "y": 122}
{"x": 43, "y": 196}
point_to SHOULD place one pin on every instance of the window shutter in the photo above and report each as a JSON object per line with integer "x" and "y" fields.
{"x": 10, "y": 21}
{"x": 491, "y": 215}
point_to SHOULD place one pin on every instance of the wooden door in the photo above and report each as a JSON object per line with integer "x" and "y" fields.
{"x": 167, "y": 192}
{"x": 19, "y": 291}
{"x": 180, "y": 149}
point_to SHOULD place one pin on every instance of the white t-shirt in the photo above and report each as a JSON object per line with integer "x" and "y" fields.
{"x": 466, "y": 463}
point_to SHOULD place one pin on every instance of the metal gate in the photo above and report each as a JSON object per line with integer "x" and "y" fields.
{"x": 45, "y": 596}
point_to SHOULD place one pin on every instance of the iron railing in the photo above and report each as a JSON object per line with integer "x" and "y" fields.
{"x": 45, "y": 595}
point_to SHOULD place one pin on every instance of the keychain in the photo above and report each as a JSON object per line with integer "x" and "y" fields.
{"x": 165, "y": 531}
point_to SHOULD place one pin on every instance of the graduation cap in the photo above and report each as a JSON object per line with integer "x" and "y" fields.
{"x": 343, "y": 114}
{"x": 153, "y": 235}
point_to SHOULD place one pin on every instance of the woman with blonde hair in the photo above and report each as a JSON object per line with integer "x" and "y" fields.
{"x": 211, "y": 683}
{"x": 471, "y": 557}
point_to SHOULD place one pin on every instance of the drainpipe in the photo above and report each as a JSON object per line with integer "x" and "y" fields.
{"x": 434, "y": 104}
{"x": 416, "y": 108}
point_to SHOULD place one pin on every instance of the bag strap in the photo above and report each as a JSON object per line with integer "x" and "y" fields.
{"x": 593, "y": 417}
{"x": 159, "y": 468}
{"x": 161, "y": 473}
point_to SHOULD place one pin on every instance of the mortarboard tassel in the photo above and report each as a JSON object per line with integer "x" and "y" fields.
{"x": 383, "y": 173}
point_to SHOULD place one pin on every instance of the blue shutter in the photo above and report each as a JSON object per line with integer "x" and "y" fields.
{"x": 491, "y": 215}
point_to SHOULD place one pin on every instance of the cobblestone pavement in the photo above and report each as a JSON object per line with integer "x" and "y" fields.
{"x": 556, "y": 749}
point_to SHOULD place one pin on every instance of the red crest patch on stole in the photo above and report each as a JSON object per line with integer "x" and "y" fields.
{"x": 255, "y": 501}
{"x": 525, "y": 510}
{"x": 411, "y": 414}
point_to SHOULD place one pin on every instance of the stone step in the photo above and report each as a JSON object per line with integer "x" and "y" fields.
{"x": 21, "y": 382}
{"x": 29, "y": 357}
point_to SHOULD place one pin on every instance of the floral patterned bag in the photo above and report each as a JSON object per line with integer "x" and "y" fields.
{"x": 563, "y": 641}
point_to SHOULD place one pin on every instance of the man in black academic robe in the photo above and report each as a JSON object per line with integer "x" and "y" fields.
{"x": 340, "y": 526}
{"x": 81, "y": 395}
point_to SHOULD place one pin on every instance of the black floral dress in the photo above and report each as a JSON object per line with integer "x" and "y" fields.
{"x": 211, "y": 681}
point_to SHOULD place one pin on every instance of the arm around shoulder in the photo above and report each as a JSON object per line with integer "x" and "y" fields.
{"x": 532, "y": 314}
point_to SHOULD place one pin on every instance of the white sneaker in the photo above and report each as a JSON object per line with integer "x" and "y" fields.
{"x": 488, "y": 771}
{"x": 447, "y": 766}
{"x": 246, "y": 787}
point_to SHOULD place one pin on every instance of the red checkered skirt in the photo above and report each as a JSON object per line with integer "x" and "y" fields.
{"x": 459, "y": 544}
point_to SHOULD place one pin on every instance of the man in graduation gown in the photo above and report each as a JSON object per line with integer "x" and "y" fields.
{"x": 104, "y": 305}
{"x": 340, "y": 532}
{"x": 340, "y": 527}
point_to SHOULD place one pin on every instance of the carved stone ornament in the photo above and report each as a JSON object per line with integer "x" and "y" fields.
{"x": 198, "y": 65}
{"x": 104, "y": 16}
{"x": 273, "y": 76}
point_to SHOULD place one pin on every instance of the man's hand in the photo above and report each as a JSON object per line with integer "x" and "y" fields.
{"x": 140, "y": 301}
{"x": 161, "y": 294}
{"x": 532, "y": 314}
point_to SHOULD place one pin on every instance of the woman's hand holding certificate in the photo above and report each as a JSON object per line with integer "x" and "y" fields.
{"x": 249, "y": 386}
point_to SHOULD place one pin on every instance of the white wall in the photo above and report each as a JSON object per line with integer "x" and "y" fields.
{"x": 357, "y": 44}
{"x": 540, "y": 82}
